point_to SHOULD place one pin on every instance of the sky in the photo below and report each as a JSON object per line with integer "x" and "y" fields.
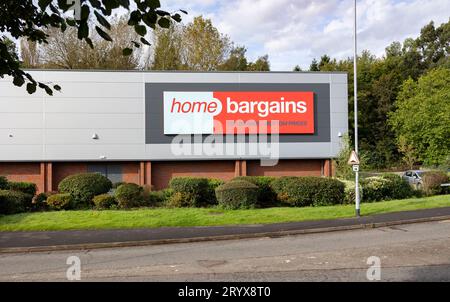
{"x": 293, "y": 32}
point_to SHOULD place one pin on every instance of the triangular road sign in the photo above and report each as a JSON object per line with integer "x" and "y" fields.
{"x": 353, "y": 160}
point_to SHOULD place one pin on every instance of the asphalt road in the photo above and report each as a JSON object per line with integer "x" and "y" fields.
{"x": 415, "y": 252}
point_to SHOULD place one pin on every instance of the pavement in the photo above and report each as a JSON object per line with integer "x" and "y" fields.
{"x": 410, "y": 252}
{"x": 11, "y": 242}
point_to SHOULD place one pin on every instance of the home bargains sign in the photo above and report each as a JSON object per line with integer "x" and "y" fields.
{"x": 233, "y": 112}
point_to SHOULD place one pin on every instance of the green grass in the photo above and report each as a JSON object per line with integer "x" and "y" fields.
{"x": 163, "y": 217}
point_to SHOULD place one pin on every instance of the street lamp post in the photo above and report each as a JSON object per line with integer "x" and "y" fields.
{"x": 355, "y": 91}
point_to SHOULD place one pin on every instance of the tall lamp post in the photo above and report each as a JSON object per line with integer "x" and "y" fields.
{"x": 355, "y": 91}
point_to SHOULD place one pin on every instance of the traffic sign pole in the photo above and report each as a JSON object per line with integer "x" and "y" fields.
{"x": 355, "y": 91}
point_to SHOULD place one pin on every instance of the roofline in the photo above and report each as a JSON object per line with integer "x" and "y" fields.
{"x": 184, "y": 71}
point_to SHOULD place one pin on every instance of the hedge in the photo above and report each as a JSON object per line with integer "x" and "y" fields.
{"x": 266, "y": 195}
{"x": 83, "y": 187}
{"x": 3, "y": 183}
{"x": 192, "y": 191}
{"x": 238, "y": 194}
{"x": 104, "y": 201}
{"x": 129, "y": 195}
{"x": 432, "y": 180}
{"x": 12, "y": 202}
{"x": 64, "y": 201}
{"x": 385, "y": 187}
{"x": 24, "y": 187}
{"x": 309, "y": 191}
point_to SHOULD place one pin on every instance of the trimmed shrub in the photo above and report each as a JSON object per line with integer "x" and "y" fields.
{"x": 349, "y": 191}
{"x": 83, "y": 187}
{"x": 266, "y": 196}
{"x": 179, "y": 200}
{"x": 117, "y": 184}
{"x": 213, "y": 183}
{"x": 24, "y": 187}
{"x": 104, "y": 201}
{"x": 309, "y": 191}
{"x": 157, "y": 198}
{"x": 238, "y": 194}
{"x": 129, "y": 195}
{"x": 193, "y": 190}
{"x": 3, "y": 183}
{"x": 38, "y": 203}
{"x": 12, "y": 202}
{"x": 64, "y": 201}
{"x": 385, "y": 187}
{"x": 432, "y": 180}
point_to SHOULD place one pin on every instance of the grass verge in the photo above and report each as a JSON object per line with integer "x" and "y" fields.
{"x": 163, "y": 217}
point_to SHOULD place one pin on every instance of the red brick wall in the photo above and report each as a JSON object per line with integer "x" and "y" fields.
{"x": 29, "y": 172}
{"x": 62, "y": 170}
{"x": 48, "y": 175}
{"x": 287, "y": 167}
{"x": 162, "y": 172}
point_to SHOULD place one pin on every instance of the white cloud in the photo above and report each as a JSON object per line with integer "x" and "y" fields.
{"x": 295, "y": 31}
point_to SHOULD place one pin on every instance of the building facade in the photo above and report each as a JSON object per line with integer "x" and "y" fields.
{"x": 146, "y": 127}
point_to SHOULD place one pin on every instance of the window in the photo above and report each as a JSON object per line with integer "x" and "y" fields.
{"x": 111, "y": 170}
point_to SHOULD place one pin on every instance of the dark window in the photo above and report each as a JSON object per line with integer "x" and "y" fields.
{"x": 110, "y": 170}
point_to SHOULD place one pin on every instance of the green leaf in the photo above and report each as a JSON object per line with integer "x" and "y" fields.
{"x": 31, "y": 88}
{"x": 140, "y": 30}
{"x": 85, "y": 12}
{"x": 71, "y": 22}
{"x": 183, "y": 11}
{"x": 127, "y": 51}
{"x": 136, "y": 44}
{"x": 145, "y": 41}
{"x": 57, "y": 87}
{"x": 177, "y": 17}
{"x": 102, "y": 20}
{"x": 150, "y": 18}
{"x": 153, "y": 4}
{"x": 18, "y": 80}
{"x": 135, "y": 18}
{"x": 89, "y": 42}
{"x": 164, "y": 22}
{"x": 44, "y": 3}
{"x": 103, "y": 34}
{"x": 125, "y": 3}
{"x": 83, "y": 30}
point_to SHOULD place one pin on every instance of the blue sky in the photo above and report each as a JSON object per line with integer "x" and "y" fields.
{"x": 295, "y": 31}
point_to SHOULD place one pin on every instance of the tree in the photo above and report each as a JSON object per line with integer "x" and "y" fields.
{"x": 421, "y": 118}
{"x": 297, "y": 68}
{"x": 261, "y": 64}
{"x": 314, "y": 65}
{"x": 29, "y": 19}
{"x": 65, "y": 51}
{"x": 236, "y": 61}
{"x": 29, "y": 54}
{"x": 408, "y": 151}
{"x": 167, "y": 49}
{"x": 204, "y": 47}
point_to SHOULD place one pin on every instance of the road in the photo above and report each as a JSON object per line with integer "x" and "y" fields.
{"x": 415, "y": 252}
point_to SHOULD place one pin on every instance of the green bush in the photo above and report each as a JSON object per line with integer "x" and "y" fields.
{"x": 385, "y": 187}
{"x": 129, "y": 195}
{"x": 432, "y": 180}
{"x": 238, "y": 194}
{"x": 24, "y": 187}
{"x": 39, "y": 202}
{"x": 349, "y": 191}
{"x": 3, "y": 183}
{"x": 193, "y": 190}
{"x": 266, "y": 196}
{"x": 309, "y": 191}
{"x": 117, "y": 184}
{"x": 104, "y": 201}
{"x": 213, "y": 183}
{"x": 179, "y": 200}
{"x": 83, "y": 187}
{"x": 157, "y": 198}
{"x": 12, "y": 202}
{"x": 64, "y": 201}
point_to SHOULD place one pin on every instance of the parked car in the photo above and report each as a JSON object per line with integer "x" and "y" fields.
{"x": 414, "y": 177}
